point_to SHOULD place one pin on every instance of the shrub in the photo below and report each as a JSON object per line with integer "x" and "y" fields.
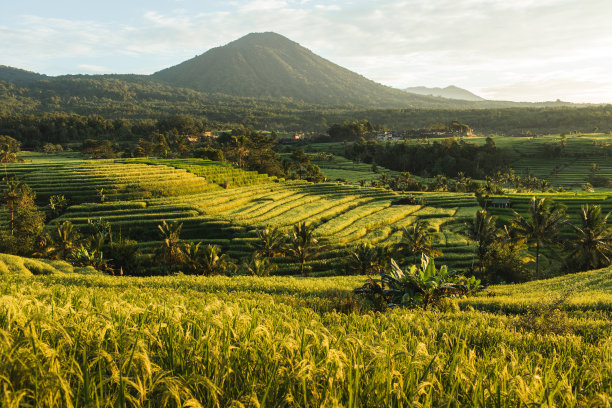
{"x": 419, "y": 286}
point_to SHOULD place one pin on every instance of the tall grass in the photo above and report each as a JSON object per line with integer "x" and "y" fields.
{"x": 71, "y": 340}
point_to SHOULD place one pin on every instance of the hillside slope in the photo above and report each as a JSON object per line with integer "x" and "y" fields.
{"x": 270, "y": 65}
{"x": 19, "y": 76}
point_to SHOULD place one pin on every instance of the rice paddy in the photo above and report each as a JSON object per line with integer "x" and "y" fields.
{"x": 74, "y": 337}
{"x": 71, "y": 339}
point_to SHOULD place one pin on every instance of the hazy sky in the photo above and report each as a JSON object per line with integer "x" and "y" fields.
{"x": 522, "y": 50}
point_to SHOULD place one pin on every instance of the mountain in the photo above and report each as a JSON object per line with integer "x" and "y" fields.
{"x": 270, "y": 65}
{"x": 450, "y": 92}
{"x": 18, "y": 76}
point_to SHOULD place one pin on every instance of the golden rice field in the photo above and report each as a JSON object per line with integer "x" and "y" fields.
{"x": 71, "y": 339}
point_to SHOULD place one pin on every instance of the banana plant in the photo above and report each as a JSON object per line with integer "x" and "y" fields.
{"x": 418, "y": 286}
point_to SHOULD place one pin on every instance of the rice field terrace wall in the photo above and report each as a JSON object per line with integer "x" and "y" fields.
{"x": 344, "y": 216}
{"x": 224, "y": 174}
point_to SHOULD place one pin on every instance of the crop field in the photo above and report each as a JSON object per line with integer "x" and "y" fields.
{"x": 572, "y": 201}
{"x": 526, "y": 156}
{"x": 140, "y": 194}
{"x": 341, "y": 168}
{"x": 74, "y": 339}
{"x": 213, "y": 172}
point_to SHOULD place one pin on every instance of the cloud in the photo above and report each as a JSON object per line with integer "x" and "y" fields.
{"x": 93, "y": 69}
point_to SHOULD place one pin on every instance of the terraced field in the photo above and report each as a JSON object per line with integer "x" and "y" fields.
{"x": 139, "y": 196}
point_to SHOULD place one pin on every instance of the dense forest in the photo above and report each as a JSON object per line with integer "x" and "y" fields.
{"x": 138, "y": 98}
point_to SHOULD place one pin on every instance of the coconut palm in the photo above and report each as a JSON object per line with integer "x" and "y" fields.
{"x": 259, "y": 267}
{"x": 213, "y": 262}
{"x": 270, "y": 243}
{"x": 417, "y": 240}
{"x": 302, "y": 244}
{"x": 592, "y": 246}
{"x": 541, "y": 226}
{"x": 169, "y": 251}
{"x": 65, "y": 239}
{"x": 192, "y": 256}
{"x": 483, "y": 231}
{"x": 366, "y": 259}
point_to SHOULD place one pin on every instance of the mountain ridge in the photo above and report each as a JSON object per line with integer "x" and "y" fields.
{"x": 271, "y": 65}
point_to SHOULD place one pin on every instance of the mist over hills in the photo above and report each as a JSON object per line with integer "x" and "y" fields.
{"x": 450, "y": 92}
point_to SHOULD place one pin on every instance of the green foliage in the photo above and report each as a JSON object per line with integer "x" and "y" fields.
{"x": 270, "y": 242}
{"x": 57, "y": 205}
{"x": 169, "y": 250}
{"x": 482, "y": 230}
{"x": 367, "y": 259}
{"x": 448, "y": 157}
{"x": 64, "y": 239}
{"x": 542, "y": 224}
{"x": 25, "y": 222}
{"x": 592, "y": 246}
{"x": 259, "y": 267}
{"x": 417, "y": 240}
{"x": 419, "y": 286}
{"x": 302, "y": 244}
{"x": 213, "y": 262}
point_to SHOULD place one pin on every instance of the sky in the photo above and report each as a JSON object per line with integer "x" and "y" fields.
{"x": 520, "y": 50}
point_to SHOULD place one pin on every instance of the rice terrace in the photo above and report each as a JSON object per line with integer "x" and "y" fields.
{"x": 260, "y": 227}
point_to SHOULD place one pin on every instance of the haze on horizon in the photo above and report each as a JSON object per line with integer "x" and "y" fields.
{"x": 520, "y": 50}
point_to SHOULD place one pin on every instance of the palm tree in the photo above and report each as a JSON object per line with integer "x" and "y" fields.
{"x": 240, "y": 148}
{"x": 7, "y": 156}
{"x": 541, "y": 225}
{"x": 417, "y": 240}
{"x": 592, "y": 247}
{"x": 213, "y": 262}
{"x": 302, "y": 244}
{"x": 271, "y": 242}
{"x": 192, "y": 256}
{"x": 366, "y": 259}
{"x": 483, "y": 231}
{"x": 169, "y": 251}
{"x": 65, "y": 238}
{"x": 259, "y": 267}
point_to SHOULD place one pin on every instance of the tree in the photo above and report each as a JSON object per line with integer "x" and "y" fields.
{"x": 592, "y": 245}
{"x": 366, "y": 259}
{"x": 213, "y": 262}
{"x": 302, "y": 244}
{"x": 259, "y": 267}
{"x": 482, "y": 231}
{"x": 169, "y": 251}
{"x": 64, "y": 239}
{"x": 417, "y": 240}
{"x": 25, "y": 222}
{"x": 541, "y": 226}
{"x": 57, "y": 205}
{"x": 270, "y": 243}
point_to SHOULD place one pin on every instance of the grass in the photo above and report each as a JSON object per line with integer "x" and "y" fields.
{"x": 69, "y": 339}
